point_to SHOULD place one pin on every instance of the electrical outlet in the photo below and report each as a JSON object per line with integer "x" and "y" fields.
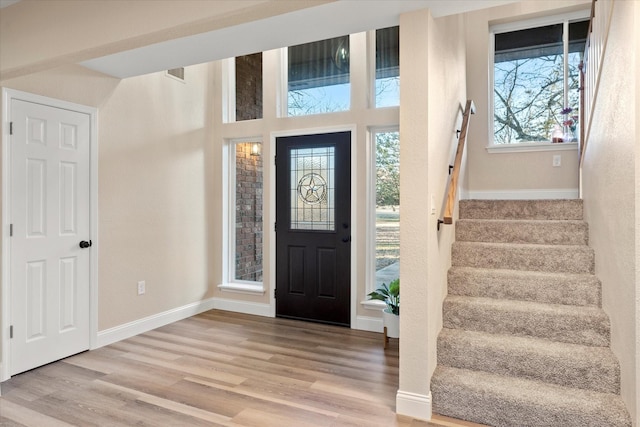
{"x": 557, "y": 161}
{"x": 141, "y": 287}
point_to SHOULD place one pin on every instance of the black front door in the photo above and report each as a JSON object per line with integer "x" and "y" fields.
{"x": 313, "y": 227}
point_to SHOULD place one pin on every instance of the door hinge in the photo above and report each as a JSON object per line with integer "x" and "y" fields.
{"x": 275, "y": 160}
{"x": 275, "y": 226}
{"x": 10, "y": 128}
{"x": 11, "y": 331}
{"x": 274, "y": 293}
{"x": 10, "y": 230}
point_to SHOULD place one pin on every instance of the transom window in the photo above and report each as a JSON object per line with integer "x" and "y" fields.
{"x": 318, "y": 77}
{"x": 536, "y": 80}
{"x": 387, "y": 85}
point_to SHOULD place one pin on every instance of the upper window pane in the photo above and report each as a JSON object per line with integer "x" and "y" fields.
{"x": 528, "y": 84}
{"x": 532, "y": 100}
{"x": 388, "y": 67}
{"x": 318, "y": 77}
{"x": 249, "y": 87}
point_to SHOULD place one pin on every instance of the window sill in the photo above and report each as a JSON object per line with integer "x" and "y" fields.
{"x": 372, "y": 304}
{"x": 534, "y": 146}
{"x": 243, "y": 288}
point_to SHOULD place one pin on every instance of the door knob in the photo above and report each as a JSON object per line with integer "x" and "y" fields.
{"x": 346, "y": 239}
{"x": 84, "y": 244}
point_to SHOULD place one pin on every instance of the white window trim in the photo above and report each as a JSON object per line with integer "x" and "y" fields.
{"x": 523, "y": 25}
{"x": 371, "y": 69}
{"x": 370, "y": 236}
{"x": 229, "y": 220}
{"x": 229, "y": 90}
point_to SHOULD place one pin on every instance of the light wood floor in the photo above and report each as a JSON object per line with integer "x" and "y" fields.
{"x": 218, "y": 369}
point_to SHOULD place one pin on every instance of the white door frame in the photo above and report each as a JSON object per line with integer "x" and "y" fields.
{"x": 8, "y": 95}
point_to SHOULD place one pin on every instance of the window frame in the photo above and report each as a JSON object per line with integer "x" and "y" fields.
{"x": 283, "y": 104}
{"x": 370, "y": 237}
{"x": 498, "y": 28}
{"x": 372, "y": 50}
{"x": 229, "y": 283}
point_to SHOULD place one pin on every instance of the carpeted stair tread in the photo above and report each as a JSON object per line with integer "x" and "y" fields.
{"x": 570, "y": 209}
{"x": 578, "y": 366}
{"x": 554, "y": 288}
{"x": 522, "y": 231}
{"x": 565, "y": 323}
{"x": 530, "y": 257}
{"x": 499, "y": 400}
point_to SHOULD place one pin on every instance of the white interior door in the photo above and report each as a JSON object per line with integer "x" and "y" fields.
{"x": 50, "y": 216}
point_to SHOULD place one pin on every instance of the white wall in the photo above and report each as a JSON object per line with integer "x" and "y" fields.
{"x": 610, "y": 192}
{"x": 510, "y": 175}
{"x": 432, "y": 58}
{"x": 153, "y": 134}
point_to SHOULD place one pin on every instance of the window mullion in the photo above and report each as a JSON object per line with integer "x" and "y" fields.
{"x": 565, "y": 57}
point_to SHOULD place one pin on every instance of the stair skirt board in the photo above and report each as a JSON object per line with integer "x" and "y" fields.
{"x": 525, "y": 341}
{"x": 534, "y": 194}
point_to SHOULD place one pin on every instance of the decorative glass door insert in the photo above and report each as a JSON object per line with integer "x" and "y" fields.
{"x": 312, "y": 188}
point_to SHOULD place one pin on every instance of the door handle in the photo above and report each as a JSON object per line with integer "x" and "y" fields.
{"x": 84, "y": 244}
{"x": 346, "y": 239}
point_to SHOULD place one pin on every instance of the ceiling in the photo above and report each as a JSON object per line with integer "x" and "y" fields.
{"x": 320, "y": 22}
{"x": 315, "y": 23}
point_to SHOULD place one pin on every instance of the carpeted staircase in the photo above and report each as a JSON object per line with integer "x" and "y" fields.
{"x": 525, "y": 342}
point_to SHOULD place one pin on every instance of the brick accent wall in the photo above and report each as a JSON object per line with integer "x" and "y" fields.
{"x": 248, "y": 261}
{"x": 249, "y": 87}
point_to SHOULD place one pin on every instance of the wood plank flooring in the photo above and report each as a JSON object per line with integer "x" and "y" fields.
{"x": 218, "y": 369}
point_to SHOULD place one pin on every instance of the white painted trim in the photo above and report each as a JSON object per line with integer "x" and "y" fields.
{"x": 523, "y": 147}
{"x": 128, "y": 330}
{"x": 140, "y": 326}
{"x": 229, "y": 208}
{"x": 228, "y": 77}
{"x": 373, "y": 304}
{"x": 245, "y": 307}
{"x": 533, "y": 194}
{"x": 243, "y": 288}
{"x": 413, "y": 405}
{"x": 5, "y": 295}
{"x": 370, "y": 230}
{"x": 371, "y": 324}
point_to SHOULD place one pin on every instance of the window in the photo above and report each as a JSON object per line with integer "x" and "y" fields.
{"x": 536, "y": 79}
{"x": 318, "y": 77}
{"x": 386, "y": 207}
{"x": 247, "y": 227}
{"x": 387, "y": 87}
{"x": 249, "y": 87}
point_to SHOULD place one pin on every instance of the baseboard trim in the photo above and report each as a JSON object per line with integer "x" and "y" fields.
{"x": 140, "y": 326}
{"x": 245, "y": 307}
{"x": 128, "y": 330}
{"x": 371, "y": 324}
{"x": 413, "y": 405}
{"x": 533, "y": 194}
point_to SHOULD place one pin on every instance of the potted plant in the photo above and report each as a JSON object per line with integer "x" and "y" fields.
{"x": 391, "y": 314}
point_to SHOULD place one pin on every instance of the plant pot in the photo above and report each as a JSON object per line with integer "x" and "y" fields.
{"x": 392, "y": 323}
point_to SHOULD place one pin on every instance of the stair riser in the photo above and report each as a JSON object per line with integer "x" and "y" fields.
{"x": 583, "y": 290}
{"x": 558, "y": 259}
{"x": 590, "y": 368}
{"x": 576, "y": 328}
{"x": 453, "y": 400}
{"x": 521, "y": 209}
{"x": 554, "y": 233}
